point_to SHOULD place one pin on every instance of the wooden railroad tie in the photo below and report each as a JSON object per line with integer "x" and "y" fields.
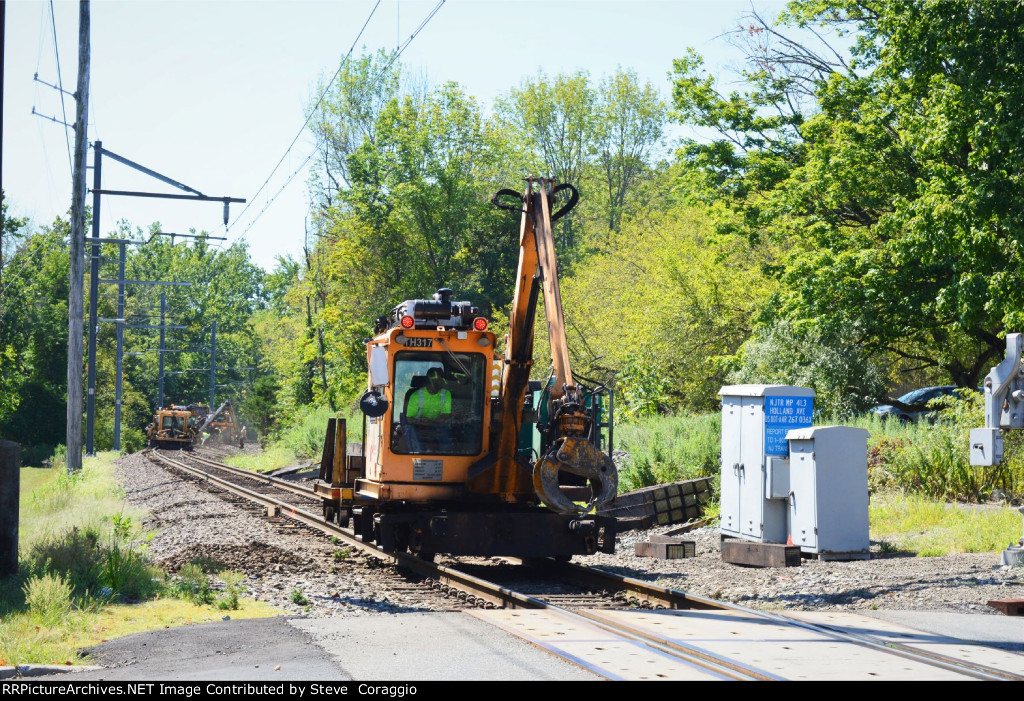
{"x": 660, "y": 505}
{"x": 1011, "y": 607}
{"x": 666, "y": 547}
{"x": 744, "y": 552}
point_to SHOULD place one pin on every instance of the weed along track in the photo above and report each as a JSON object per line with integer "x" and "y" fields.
{"x": 618, "y": 626}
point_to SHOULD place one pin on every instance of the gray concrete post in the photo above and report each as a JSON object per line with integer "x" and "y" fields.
{"x": 10, "y": 488}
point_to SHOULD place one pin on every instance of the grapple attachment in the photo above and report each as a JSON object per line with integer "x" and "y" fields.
{"x": 578, "y": 456}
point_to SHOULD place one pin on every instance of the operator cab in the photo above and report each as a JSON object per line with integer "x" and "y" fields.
{"x": 438, "y": 390}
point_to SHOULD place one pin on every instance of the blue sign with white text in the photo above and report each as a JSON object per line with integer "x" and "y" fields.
{"x": 781, "y": 415}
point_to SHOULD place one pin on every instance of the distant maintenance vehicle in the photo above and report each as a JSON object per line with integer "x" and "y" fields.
{"x": 181, "y": 427}
{"x": 175, "y": 427}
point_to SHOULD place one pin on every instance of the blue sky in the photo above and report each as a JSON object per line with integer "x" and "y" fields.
{"x": 212, "y": 93}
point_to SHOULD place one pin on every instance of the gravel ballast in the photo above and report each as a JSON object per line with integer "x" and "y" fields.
{"x": 280, "y": 559}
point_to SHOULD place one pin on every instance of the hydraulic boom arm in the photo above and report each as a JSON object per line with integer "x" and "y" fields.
{"x": 570, "y": 451}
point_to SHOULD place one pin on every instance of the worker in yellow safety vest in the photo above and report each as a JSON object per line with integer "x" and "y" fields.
{"x": 432, "y": 400}
{"x": 426, "y": 406}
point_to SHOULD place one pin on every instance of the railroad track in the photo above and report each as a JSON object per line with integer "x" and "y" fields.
{"x": 625, "y": 628}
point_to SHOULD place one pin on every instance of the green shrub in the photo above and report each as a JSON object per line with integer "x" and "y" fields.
{"x": 642, "y": 388}
{"x": 49, "y": 599}
{"x": 132, "y": 440}
{"x": 297, "y": 597}
{"x": 75, "y": 556}
{"x": 126, "y": 572}
{"x": 118, "y": 569}
{"x": 305, "y": 437}
{"x": 933, "y": 459}
{"x": 846, "y": 379}
{"x": 233, "y": 589}
{"x": 193, "y": 585}
{"x": 59, "y": 458}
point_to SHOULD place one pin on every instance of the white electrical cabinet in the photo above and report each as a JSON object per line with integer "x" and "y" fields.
{"x": 828, "y": 498}
{"x": 755, "y": 421}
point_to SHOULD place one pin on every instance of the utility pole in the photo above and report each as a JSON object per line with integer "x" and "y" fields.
{"x": 213, "y": 361}
{"x": 94, "y": 290}
{"x": 73, "y": 436}
{"x": 98, "y": 153}
{"x": 120, "y": 347}
{"x": 122, "y": 325}
{"x": 163, "y": 309}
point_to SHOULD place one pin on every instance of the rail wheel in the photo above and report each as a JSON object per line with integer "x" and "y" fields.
{"x": 344, "y": 517}
{"x": 330, "y": 510}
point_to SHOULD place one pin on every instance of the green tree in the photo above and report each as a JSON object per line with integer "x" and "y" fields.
{"x": 348, "y": 116}
{"x": 10, "y": 235}
{"x": 845, "y": 378}
{"x": 33, "y": 339}
{"x": 890, "y": 177}
{"x": 659, "y": 309}
{"x": 415, "y": 218}
{"x": 261, "y": 406}
{"x": 225, "y": 287}
{"x": 557, "y": 117}
{"x": 630, "y": 124}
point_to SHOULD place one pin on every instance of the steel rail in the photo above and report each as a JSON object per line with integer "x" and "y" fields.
{"x": 660, "y": 597}
{"x": 265, "y": 479}
{"x": 675, "y": 599}
{"x": 667, "y": 598}
{"x": 443, "y": 575}
{"x": 936, "y": 659}
{"x": 285, "y": 509}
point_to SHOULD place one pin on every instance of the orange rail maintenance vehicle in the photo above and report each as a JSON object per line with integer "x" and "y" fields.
{"x": 461, "y": 452}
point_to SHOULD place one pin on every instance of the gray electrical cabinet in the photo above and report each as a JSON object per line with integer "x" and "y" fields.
{"x": 828, "y": 491}
{"x": 755, "y": 421}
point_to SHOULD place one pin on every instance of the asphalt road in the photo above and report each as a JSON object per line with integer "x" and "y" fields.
{"x": 402, "y": 647}
{"x": 405, "y": 647}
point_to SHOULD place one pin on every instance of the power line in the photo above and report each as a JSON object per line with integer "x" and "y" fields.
{"x": 60, "y": 85}
{"x": 287, "y": 182}
{"x": 373, "y": 82}
{"x": 327, "y": 87}
{"x": 39, "y": 55}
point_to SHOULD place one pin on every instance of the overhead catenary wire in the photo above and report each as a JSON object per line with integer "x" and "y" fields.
{"x": 373, "y": 82}
{"x": 42, "y": 33}
{"x": 60, "y": 85}
{"x": 323, "y": 95}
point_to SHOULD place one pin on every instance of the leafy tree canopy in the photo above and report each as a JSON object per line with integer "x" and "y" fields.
{"x": 890, "y": 176}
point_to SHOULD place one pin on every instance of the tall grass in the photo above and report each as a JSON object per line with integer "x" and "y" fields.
{"x": 86, "y": 499}
{"x": 918, "y": 524}
{"x": 305, "y": 437}
{"x": 933, "y": 458}
{"x": 668, "y": 449}
{"x": 273, "y": 457}
{"x": 81, "y": 552}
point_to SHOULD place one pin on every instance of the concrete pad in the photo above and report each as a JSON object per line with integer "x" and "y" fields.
{"x": 995, "y": 630}
{"x": 433, "y": 647}
{"x": 782, "y": 651}
{"x": 609, "y": 655}
{"x": 928, "y": 642}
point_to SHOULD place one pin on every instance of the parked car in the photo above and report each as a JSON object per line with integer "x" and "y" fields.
{"x": 918, "y": 398}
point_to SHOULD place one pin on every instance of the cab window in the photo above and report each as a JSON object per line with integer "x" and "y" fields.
{"x": 438, "y": 406}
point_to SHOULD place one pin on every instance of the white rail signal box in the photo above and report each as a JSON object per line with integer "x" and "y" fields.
{"x": 755, "y": 421}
